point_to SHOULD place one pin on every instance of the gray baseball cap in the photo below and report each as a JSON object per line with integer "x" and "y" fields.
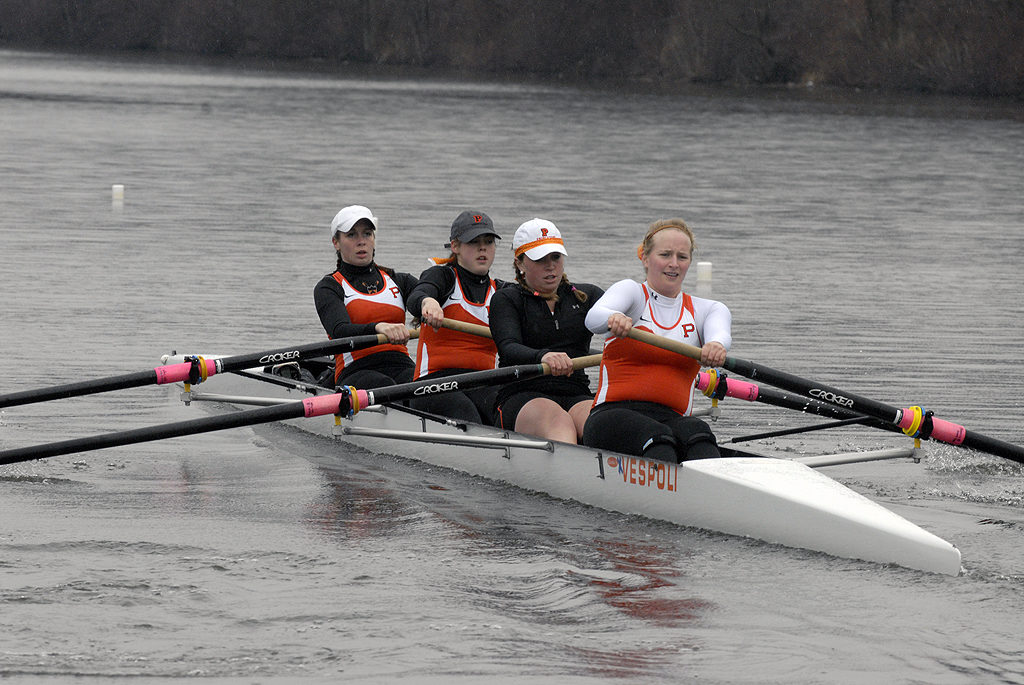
{"x": 470, "y": 225}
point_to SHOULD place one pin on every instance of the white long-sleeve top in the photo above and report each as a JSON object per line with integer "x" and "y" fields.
{"x": 712, "y": 319}
{"x": 629, "y": 366}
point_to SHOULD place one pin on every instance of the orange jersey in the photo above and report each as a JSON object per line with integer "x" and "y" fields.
{"x": 635, "y": 371}
{"x": 386, "y": 305}
{"x": 448, "y": 349}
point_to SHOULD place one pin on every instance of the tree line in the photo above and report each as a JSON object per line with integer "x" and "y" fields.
{"x": 966, "y": 47}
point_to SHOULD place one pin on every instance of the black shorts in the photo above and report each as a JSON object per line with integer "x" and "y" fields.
{"x": 379, "y": 375}
{"x": 505, "y": 414}
{"x": 649, "y": 429}
{"x": 475, "y": 405}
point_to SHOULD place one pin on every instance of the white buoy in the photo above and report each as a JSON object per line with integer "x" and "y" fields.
{"x": 117, "y": 196}
{"x": 703, "y": 288}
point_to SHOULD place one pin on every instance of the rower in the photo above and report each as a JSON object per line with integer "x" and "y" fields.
{"x": 632, "y": 414}
{"x": 361, "y": 298}
{"x": 458, "y": 287}
{"x": 542, "y": 320}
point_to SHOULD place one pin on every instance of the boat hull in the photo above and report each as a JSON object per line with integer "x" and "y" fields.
{"x": 774, "y": 500}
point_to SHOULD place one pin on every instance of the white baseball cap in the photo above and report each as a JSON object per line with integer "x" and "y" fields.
{"x": 349, "y": 217}
{"x": 537, "y": 238}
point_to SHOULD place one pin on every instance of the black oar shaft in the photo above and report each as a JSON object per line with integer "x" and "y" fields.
{"x": 806, "y": 405}
{"x": 128, "y": 380}
{"x": 168, "y": 430}
{"x": 341, "y": 403}
{"x": 287, "y": 354}
{"x": 943, "y": 430}
{"x": 803, "y": 429}
{"x": 817, "y": 391}
{"x": 465, "y": 381}
{"x": 800, "y": 403}
{"x": 153, "y": 376}
{"x": 863, "y": 405}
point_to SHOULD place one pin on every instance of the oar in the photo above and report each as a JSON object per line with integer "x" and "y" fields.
{"x": 913, "y": 421}
{"x": 466, "y": 327}
{"x": 477, "y": 329}
{"x": 193, "y": 371}
{"x": 718, "y": 386}
{"x": 345, "y": 403}
{"x": 803, "y": 429}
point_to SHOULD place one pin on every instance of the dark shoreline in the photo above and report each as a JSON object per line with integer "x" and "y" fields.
{"x": 950, "y": 47}
{"x": 837, "y": 100}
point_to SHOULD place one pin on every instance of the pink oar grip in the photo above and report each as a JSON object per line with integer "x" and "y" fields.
{"x": 322, "y": 405}
{"x": 364, "y": 398}
{"x": 947, "y": 431}
{"x": 943, "y": 431}
{"x": 741, "y": 390}
{"x": 179, "y": 372}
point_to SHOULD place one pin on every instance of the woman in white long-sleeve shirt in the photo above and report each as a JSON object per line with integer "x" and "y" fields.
{"x": 644, "y": 395}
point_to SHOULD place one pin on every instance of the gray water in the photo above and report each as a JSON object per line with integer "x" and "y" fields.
{"x": 873, "y": 245}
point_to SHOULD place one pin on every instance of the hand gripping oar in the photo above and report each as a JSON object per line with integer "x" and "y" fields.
{"x": 345, "y": 403}
{"x": 194, "y": 371}
{"x": 913, "y": 421}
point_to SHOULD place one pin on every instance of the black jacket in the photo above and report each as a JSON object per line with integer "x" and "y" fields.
{"x": 438, "y": 282}
{"x": 524, "y": 330}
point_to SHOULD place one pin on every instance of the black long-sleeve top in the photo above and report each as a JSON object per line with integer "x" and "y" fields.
{"x": 525, "y": 329}
{"x": 329, "y": 297}
{"x": 438, "y": 282}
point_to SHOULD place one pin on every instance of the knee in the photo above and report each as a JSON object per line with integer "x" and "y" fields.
{"x": 601, "y": 428}
{"x": 544, "y": 417}
{"x": 694, "y": 439}
{"x": 367, "y": 380}
{"x": 663, "y": 447}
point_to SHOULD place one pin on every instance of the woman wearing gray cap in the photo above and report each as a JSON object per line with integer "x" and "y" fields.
{"x": 459, "y": 287}
{"x": 363, "y": 298}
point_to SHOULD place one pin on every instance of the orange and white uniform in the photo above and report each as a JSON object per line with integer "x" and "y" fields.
{"x": 387, "y": 305}
{"x": 447, "y": 349}
{"x": 635, "y": 371}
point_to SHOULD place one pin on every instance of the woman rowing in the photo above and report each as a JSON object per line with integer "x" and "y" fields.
{"x": 458, "y": 288}
{"x": 644, "y": 395}
{"x": 542, "y": 320}
{"x": 363, "y": 298}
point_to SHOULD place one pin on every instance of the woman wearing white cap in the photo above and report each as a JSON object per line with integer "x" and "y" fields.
{"x": 631, "y": 414}
{"x": 543, "y": 320}
{"x": 459, "y": 287}
{"x": 363, "y": 298}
